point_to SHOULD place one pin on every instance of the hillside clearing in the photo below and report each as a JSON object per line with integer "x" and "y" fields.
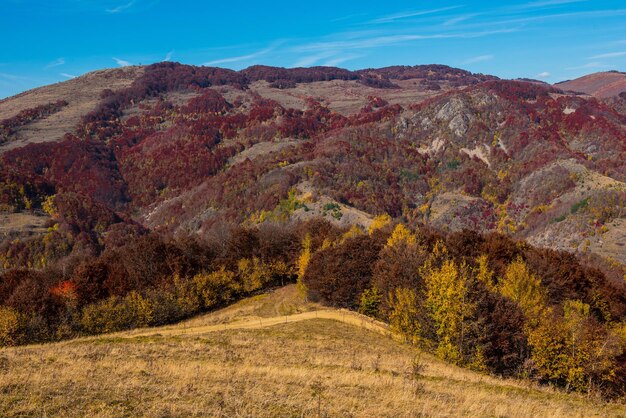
{"x": 224, "y": 364}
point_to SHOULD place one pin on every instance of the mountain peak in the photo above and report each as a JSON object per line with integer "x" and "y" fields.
{"x": 601, "y": 85}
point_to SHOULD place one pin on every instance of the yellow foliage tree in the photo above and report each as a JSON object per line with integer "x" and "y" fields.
{"x": 399, "y": 263}
{"x": 404, "y": 314}
{"x": 479, "y": 363}
{"x": 49, "y": 207}
{"x": 115, "y": 314}
{"x": 379, "y": 222}
{"x": 438, "y": 255}
{"x": 354, "y": 231}
{"x": 302, "y": 263}
{"x": 401, "y": 234}
{"x": 250, "y": 274}
{"x": 254, "y": 274}
{"x": 484, "y": 274}
{"x": 139, "y": 309}
{"x": 574, "y": 349}
{"x": 446, "y": 299}
{"x": 215, "y": 288}
{"x": 370, "y": 302}
{"x": 524, "y": 288}
{"x": 185, "y": 297}
{"x": 10, "y": 327}
{"x": 576, "y": 317}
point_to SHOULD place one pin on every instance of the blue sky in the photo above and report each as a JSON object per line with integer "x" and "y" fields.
{"x": 46, "y": 41}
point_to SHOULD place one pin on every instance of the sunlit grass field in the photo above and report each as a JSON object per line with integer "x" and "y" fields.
{"x": 271, "y": 355}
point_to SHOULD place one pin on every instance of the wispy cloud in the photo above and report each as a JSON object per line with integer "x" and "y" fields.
{"x": 612, "y": 44}
{"x": 347, "y": 17}
{"x": 66, "y": 75}
{"x": 309, "y": 60}
{"x": 480, "y": 58}
{"x": 522, "y": 20}
{"x": 240, "y": 58}
{"x": 608, "y": 55}
{"x": 338, "y": 60}
{"x": 405, "y": 15}
{"x": 12, "y": 77}
{"x": 544, "y": 74}
{"x": 453, "y": 21}
{"x": 121, "y": 7}
{"x": 547, "y": 3}
{"x": 56, "y": 63}
{"x": 362, "y": 43}
{"x": 387, "y": 40}
{"x": 594, "y": 64}
{"x": 121, "y": 62}
{"x": 8, "y": 76}
{"x": 168, "y": 56}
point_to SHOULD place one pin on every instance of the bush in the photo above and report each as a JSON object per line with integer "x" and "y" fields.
{"x": 254, "y": 274}
{"x": 180, "y": 301}
{"x": 578, "y": 206}
{"x": 117, "y": 314}
{"x": 167, "y": 310}
{"x": 10, "y": 327}
{"x": 370, "y": 302}
{"x": 216, "y": 288}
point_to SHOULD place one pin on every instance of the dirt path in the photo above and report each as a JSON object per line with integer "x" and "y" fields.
{"x": 344, "y": 316}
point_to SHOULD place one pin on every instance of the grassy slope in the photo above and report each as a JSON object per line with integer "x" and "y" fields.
{"x": 217, "y": 365}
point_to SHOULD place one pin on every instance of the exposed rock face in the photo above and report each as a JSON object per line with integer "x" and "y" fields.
{"x": 457, "y": 114}
{"x": 459, "y": 124}
{"x": 451, "y": 109}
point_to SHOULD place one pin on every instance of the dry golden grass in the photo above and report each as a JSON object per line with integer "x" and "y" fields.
{"x": 81, "y": 93}
{"x": 16, "y": 223}
{"x": 346, "y": 97}
{"x": 276, "y": 370}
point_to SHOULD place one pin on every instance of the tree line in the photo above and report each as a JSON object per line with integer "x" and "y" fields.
{"x": 483, "y": 301}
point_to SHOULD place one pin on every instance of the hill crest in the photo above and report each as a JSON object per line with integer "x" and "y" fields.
{"x": 601, "y": 85}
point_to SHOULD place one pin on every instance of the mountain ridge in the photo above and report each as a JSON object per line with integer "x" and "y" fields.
{"x": 494, "y": 131}
{"x": 601, "y": 85}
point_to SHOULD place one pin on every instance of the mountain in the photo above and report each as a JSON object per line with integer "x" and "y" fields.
{"x": 143, "y": 196}
{"x": 82, "y": 95}
{"x": 178, "y": 148}
{"x": 600, "y": 85}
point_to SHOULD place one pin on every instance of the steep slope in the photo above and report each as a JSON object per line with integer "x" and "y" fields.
{"x": 182, "y": 149}
{"x": 308, "y": 367}
{"x": 600, "y": 85}
{"x": 192, "y": 187}
{"x": 524, "y": 160}
{"x": 81, "y": 95}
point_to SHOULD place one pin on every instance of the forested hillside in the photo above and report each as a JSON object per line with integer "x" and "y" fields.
{"x": 484, "y": 219}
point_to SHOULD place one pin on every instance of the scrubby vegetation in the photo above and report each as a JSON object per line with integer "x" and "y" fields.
{"x": 269, "y": 355}
{"x": 9, "y": 127}
{"x": 159, "y": 208}
{"x": 148, "y": 281}
{"x": 486, "y": 302}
